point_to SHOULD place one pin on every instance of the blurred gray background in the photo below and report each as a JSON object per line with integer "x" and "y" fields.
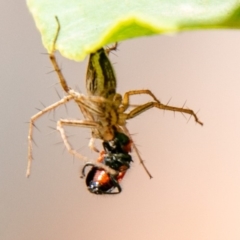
{"x": 195, "y": 190}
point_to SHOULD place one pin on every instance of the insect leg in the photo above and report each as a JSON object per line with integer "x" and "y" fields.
{"x": 115, "y": 184}
{"x": 31, "y": 124}
{"x": 84, "y": 168}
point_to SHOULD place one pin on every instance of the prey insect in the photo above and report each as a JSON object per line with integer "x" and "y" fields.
{"x": 115, "y": 156}
{"x": 103, "y": 109}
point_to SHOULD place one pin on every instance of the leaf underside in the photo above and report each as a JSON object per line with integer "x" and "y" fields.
{"x": 88, "y": 25}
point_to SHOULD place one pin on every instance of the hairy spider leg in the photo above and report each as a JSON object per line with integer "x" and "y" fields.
{"x": 144, "y": 107}
{"x": 31, "y": 125}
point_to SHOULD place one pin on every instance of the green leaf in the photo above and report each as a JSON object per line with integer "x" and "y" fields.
{"x": 87, "y": 25}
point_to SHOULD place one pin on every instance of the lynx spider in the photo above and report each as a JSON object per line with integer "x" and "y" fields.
{"x": 104, "y": 115}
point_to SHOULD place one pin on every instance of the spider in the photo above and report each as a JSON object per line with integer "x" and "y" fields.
{"x": 103, "y": 109}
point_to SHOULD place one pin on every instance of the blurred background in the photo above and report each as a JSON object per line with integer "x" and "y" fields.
{"x": 195, "y": 190}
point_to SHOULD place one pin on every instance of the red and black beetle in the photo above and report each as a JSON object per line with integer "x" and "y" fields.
{"x": 116, "y": 157}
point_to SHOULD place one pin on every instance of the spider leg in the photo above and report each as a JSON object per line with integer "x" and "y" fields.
{"x": 52, "y": 57}
{"x": 157, "y": 104}
{"x": 112, "y": 48}
{"x": 31, "y": 124}
{"x": 74, "y": 123}
{"x": 136, "y": 150}
{"x": 91, "y": 106}
{"x": 142, "y": 108}
{"x": 126, "y": 102}
{"x": 91, "y": 144}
